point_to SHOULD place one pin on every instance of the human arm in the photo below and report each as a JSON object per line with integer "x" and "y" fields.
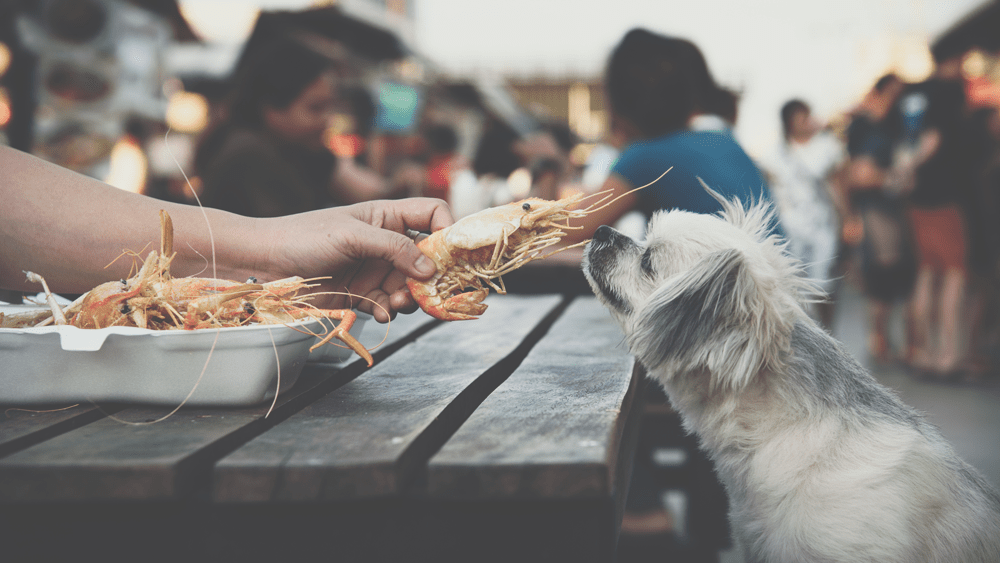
{"x": 837, "y": 189}
{"x": 73, "y": 230}
{"x": 861, "y": 172}
{"x": 835, "y": 180}
{"x": 902, "y": 175}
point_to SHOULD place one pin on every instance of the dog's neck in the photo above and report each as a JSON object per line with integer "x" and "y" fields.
{"x": 730, "y": 424}
{"x": 734, "y": 424}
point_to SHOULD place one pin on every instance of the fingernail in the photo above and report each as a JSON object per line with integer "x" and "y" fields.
{"x": 425, "y": 266}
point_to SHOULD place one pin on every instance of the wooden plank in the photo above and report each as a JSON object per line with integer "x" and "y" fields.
{"x": 372, "y": 436}
{"x": 554, "y": 428}
{"x": 21, "y": 427}
{"x": 112, "y": 460}
{"x": 401, "y": 330}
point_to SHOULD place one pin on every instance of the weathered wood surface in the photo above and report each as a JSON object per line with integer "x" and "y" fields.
{"x": 21, "y": 427}
{"x": 553, "y": 428}
{"x": 502, "y": 439}
{"x": 371, "y": 436}
{"x": 110, "y": 459}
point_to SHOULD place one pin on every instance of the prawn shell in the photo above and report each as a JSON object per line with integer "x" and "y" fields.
{"x": 482, "y": 229}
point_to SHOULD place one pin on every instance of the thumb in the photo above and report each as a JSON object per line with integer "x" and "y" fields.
{"x": 398, "y": 249}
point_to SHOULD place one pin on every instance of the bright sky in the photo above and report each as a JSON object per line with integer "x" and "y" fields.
{"x": 827, "y": 53}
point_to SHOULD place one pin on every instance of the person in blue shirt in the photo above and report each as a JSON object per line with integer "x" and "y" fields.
{"x": 668, "y": 113}
{"x": 660, "y": 91}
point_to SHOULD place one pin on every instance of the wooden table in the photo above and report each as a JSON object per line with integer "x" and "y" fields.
{"x": 508, "y": 438}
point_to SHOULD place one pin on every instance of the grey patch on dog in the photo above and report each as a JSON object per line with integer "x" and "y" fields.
{"x": 839, "y": 380}
{"x": 694, "y": 316}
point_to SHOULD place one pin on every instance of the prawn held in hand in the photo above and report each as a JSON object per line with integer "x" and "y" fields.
{"x": 480, "y": 248}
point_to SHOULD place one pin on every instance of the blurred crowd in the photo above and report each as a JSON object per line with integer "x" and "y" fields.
{"x": 897, "y": 194}
{"x": 901, "y": 198}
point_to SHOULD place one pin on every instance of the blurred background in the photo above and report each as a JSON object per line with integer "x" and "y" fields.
{"x": 271, "y": 107}
{"x": 85, "y": 80}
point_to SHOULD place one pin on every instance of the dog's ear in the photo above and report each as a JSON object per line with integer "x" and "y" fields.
{"x": 718, "y": 316}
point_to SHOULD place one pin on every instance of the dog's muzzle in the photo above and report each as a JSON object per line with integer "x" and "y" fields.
{"x": 605, "y": 233}
{"x": 600, "y": 258}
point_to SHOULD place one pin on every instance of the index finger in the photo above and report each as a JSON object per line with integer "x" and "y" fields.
{"x": 419, "y": 214}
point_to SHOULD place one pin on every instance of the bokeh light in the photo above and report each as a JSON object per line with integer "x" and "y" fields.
{"x": 974, "y": 64}
{"x": 128, "y": 166}
{"x": 5, "y": 112}
{"x": 519, "y": 183}
{"x": 5, "y": 58}
{"x": 223, "y": 21}
{"x": 187, "y": 112}
{"x": 911, "y": 56}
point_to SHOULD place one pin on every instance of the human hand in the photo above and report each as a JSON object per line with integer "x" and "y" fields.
{"x": 364, "y": 250}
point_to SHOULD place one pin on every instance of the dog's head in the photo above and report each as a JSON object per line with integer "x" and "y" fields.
{"x": 703, "y": 293}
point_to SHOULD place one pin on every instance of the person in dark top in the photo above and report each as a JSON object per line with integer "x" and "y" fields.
{"x": 887, "y": 262}
{"x": 267, "y": 158}
{"x": 982, "y": 208}
{"x": 929, "y": 118}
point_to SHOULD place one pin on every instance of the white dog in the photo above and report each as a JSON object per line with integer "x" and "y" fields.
{"x": 820, "y": 462}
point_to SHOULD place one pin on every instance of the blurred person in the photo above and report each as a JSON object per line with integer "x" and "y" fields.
{"x": 982, "y": 209}
{"x": 717, "y": 107}
{"x": 888, "y": 264}
{"x": 660, "y": 94}
{"x": 55, "y": 222}
{"x": 547, "y": 154}
{"x": 502, "y": 150}
{"x": 802, "y": 172}
{"x": 657, "y": 87}
{"x": 930, "y": 116}
{"x": 361, "y": 108}
{"x": 492, "y": 163}
{"x": 547, "y": 177}
{"x": 268, "y": 157}
{"x": 443, "y": 161}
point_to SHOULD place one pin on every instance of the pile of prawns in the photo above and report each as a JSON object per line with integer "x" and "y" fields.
{"x": 153, "y": 299}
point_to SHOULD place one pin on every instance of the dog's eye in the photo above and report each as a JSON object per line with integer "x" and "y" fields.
{"x": 647, "y": 262}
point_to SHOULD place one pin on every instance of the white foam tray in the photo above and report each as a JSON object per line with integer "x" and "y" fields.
{"x": 60, "y": 364}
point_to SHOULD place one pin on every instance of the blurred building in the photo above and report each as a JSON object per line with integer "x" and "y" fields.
{"x": 576, "y": 101}
{"x": 123, "y": 90}
{"x": 81, "y": 70}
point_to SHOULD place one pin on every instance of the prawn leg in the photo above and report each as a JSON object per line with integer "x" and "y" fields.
{"x": 462, "y": 307}
{"x": 341, "y": 332}
{"x": 57, "y": 312}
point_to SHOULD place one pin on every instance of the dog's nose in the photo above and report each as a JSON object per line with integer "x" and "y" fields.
{"x": 603, "y": 233}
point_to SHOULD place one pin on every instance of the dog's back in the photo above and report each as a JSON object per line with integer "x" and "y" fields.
{"x": 862, "y": 478}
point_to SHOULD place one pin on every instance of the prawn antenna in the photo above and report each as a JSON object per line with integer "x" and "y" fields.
{"x": 211, "y": 236}
{"x": 605, "y": 201}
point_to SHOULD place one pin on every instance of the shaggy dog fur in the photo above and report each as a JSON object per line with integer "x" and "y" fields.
{"x": 821, "y": 463}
